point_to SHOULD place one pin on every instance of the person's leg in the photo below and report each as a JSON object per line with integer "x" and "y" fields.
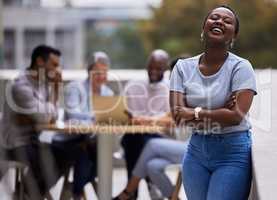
{"x": 33, "y": 180}
{"x": 154, "y": 169}
{"x": 196, "y": 179}
{"x": 148, "y": 153}
{"x": 166, "y": 149}
{"x": 83, "y": 173}
{"x": 85, "y": 167}
{"x": 92, "y": 153}
{"x": 169, "y": 149}
{"x": 156, "y": 148}
{"x": 65, "y": 154}
{"x": 228, "y": 183}
{"x": 195, "y": 174}
{"x": 156, "y": 172}
{"x": 231, "y": 178}
{"x": 133, "y": 146}
{"x": 139, "y": 165}
{"x": 130, "y": 191}
{"x": 48, "y": 165}
{"x": 72, "y": 153}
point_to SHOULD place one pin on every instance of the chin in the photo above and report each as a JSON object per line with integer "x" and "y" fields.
{"x": 155, "y": 80}
{"x": 216, "y": 42}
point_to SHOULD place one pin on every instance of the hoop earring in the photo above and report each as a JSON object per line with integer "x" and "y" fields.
{"x": 202, "y": 37}
{"x": 232, "y": 43}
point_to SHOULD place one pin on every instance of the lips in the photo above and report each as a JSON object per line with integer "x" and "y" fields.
{"x": 217, "y": 30}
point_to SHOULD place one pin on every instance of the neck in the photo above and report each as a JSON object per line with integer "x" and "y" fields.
{"x": 96, "y": 89}
{"x": 33, "y": 73}
{"x": 214, "y": 56}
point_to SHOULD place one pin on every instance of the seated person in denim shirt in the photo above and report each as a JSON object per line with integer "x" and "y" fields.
{"x": 81, "y": 150}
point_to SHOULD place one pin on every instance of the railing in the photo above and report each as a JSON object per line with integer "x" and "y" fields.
{"x": 264, "y": 159}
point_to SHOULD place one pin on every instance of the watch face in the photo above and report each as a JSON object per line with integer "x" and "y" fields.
{"x": 198, "y": 109}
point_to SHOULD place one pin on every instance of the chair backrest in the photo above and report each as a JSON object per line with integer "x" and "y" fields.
{"x": 2, "y": 150}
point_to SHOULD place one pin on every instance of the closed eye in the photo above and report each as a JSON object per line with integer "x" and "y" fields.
{"x": 228, "y": 20}
{"x": 214, "y": 16}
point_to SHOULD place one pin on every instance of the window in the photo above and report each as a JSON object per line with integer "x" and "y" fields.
{"x": 9, "y": 49}
{"x": 65, "y": 42}
{"x": 32, "y": 38}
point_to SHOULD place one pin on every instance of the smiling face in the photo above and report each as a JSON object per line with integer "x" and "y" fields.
{"x": 155, "y": 70}
{"x": 98, "y": 74}
{"x": 53, "y": 63}
{"x": 219, "y": 27}
{"x": 50, "y": 65}
{"x": 157, "y": 64}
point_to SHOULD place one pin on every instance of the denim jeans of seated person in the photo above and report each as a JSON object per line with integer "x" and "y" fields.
{"x": 218, "y": 167}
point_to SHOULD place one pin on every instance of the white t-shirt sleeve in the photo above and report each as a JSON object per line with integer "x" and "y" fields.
{"x": 243, "y": 77}
{"x": 176, "y": 79}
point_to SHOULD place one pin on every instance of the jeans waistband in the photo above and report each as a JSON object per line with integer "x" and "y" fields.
{"x": 222, "y": 134}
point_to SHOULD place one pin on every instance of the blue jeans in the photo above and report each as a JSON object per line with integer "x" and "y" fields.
{"x": 71, "y": 153}
{"x": 218, "y": 167}
{"x": 133, "y": 144}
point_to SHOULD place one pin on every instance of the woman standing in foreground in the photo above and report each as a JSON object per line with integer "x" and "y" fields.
{"x": 212, "y": 93}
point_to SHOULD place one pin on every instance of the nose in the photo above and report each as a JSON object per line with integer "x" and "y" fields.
{"x": 219, "y": 21}
{"x": 103, "y": 76}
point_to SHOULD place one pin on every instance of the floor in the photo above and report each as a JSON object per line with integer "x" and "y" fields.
{"x": 119, "y": 181}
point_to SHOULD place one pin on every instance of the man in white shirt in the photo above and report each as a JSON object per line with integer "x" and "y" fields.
{"x": 146, "y": 100}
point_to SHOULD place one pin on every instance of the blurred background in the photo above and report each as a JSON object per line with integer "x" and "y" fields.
{"x": 128, "y": 30}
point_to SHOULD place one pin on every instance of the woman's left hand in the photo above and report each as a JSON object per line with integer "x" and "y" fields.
{"x": 231, "y": 102}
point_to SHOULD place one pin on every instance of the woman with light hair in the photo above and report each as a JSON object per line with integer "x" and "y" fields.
{"x": 81, "y": 150}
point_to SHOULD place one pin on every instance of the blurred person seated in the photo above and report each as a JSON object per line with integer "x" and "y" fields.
{"x": 31, "y": 99}
{"x": 80, "y": 151}
{"x": 146, "y": 100}
{"x": 157, "y": 154}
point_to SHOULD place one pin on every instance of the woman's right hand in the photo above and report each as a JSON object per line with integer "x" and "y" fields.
{"x": 54, "y": 76}
{"x": 182, "y": 114}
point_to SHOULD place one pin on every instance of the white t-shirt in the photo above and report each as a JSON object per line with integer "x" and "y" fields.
{"x": 212, "y": 92}
{"x": 147, "y": 99}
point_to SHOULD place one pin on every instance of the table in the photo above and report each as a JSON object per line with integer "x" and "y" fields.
{"x": 105, "y": 144}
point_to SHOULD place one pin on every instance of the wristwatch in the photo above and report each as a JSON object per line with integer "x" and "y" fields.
{"x": 197, "y": 110}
